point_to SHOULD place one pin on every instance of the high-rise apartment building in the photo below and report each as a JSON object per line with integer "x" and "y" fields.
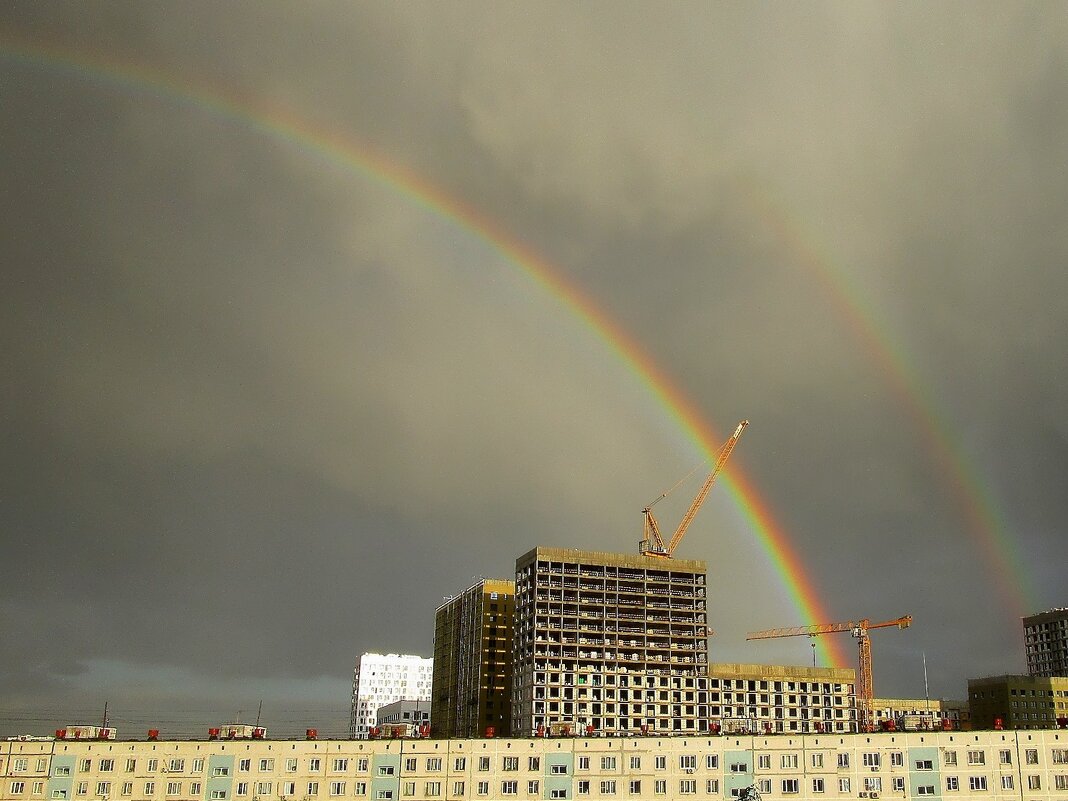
{"x": 767, "y": 699}
{"x": 380, "y": 679}
{"x": 1046, "y": 643}
{"x": 609, "y": 642}
{"x": 473, "y": 661}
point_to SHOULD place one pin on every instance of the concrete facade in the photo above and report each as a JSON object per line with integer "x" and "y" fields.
{"x": 473, "y": 661}
{"x": 782, "y": 699}
{"x": 1018, "y": 702}
{"x": 922, "y": 713}
{"x": 610, "y": 643}
{"x": 380, "y": 679}
{"x": 1001, "y": 765}
{"x": 1046, "y": 643}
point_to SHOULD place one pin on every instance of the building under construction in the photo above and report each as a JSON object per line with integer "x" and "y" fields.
{"x": 609, "y": 643}
{"x": 473, "y": 661}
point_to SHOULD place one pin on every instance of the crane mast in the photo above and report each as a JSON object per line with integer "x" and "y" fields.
{"x": 859, "y": 629}
{"x": 652, "y": 543}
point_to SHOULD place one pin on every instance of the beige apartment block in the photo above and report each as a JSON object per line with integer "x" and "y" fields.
{"x": 991, "y": 765}
{"x": 1018, "y": 702}
{"x": 922, "y": 713}
{"x": 782, "y": 699}
{"x": 609, "y": 643}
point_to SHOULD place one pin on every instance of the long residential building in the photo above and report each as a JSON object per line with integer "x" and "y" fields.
{"x": 782, "y": 699}
{"x": 989, "y": 765}
{"x": 1018, "y": 702}
{"x": 609, "y": 643}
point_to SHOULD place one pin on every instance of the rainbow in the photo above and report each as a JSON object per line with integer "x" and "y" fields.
{"x": 976, "y": 503}
{"x": 337, "y": 148}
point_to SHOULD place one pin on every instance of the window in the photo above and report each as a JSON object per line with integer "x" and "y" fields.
{"x": 712, "y": 761}
{"x": 558, "y": 770}
{"x": 61, "y": 770}
{"x": 1005, "y": 757}
{"x": 263, "y": 788}
{"x": 873, "y": 784}
{"x": 1007, "y": 783}
{"x": 408, "y": 790}
{"x": 688, "y": 761}
{"x": 242, "y": 788}
{"x": 977, "y": 782}
{"x": 660, "y": 787}
{"x": 410, "y": 764}
{"x": 534, "y": 763}
{"x": 924, "y": 764}
{"x": 150, "y": 788}
{"x": 340, "y": 765}
{"x": 83, "y": 788}
{"x": 59, "y": 794}
{"x": 1060, "y": 756}
{"x": 817, "y": 760}
{"x": 843, "y": 784}
{"x": 739, "y": 767}
{"x": 687, "y": 786}
{"x": 174, "y": 788}
{"x": 86, "y": 766}
{"x": 127, "y": 788}
{"x": 315, "y": 764}
{"x": 789, "y": 761}
{"x": 287, "y": 789}
{"x": 608, "y": 787}
{"x": 949, "y": 757}
{"x": 483, "y": 764}
{"x": 131, "y": 765}
{"x": 511, "y": 763}
{"x": 107, "y": 765}
{"x": 764, "y": 786}
{"x": 483, "y": 788}
{"x": 899, "y": 784}
{"x": 1034, "y": 782}
{"x": 764, "y": 762}
{"x": 635, "y": 787}
{"x": 532, "y": 787}
{"x": 818, "y": 786}
{"x": 176, "y": 766}
{"x": 608, "y": 763}
{"x": 198, "y": 766}
{"x": 554, "y": 794}
{"x": 384, "y": 795}
{"x": 925, "y": 789}
{"x": 1031, "y": 756}
{"x": 897, "y": 759}
{"x": 843, "y": 759}
{"x": 433, "y": 788}
{"x": 871, "y": 759}
{"x": 952, "y": 783}
{"x": 635, "y": 763}
{"x": 976, "y": 758}
{"x": 583, "y": 788}
{"x": 790, "y": 786}
{"x": 338, "y": 788}
{"x": 660, "y": 762}
{"x": 360, "y": 788}
{"x": 712, "y": 786}
{"x": 18, "y": 788}
{"x": 244, "y": 765}
{"x": 42, "y": 764}
{"x": 509, "y": 787}
{"x": 218, "y": 795}
{"x": 388, "y": 770}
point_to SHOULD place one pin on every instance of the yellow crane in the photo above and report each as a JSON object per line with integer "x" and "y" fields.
{"x": 652, "y": 543}
{"x": 859, "y": 629}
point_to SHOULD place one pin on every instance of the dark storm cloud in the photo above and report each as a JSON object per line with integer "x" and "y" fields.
{"x": 261, "y": 413}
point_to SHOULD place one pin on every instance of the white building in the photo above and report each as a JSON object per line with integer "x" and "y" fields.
{"x": 381, "y": 679}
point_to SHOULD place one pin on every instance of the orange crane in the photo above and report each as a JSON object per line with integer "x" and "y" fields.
{"x": 859, "y": 629}
{"x": 652, "y": 543}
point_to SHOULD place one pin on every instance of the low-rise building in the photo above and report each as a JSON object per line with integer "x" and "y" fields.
{"x": 915, "y": 714}
{"x": 1018, "y": 701}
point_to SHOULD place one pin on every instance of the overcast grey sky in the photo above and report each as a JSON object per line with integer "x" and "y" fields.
{"x": 263, "y": 408}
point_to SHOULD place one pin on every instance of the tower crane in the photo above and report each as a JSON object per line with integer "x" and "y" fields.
{"x": 859, "y": 629}
{"x": 652, "y": 543}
